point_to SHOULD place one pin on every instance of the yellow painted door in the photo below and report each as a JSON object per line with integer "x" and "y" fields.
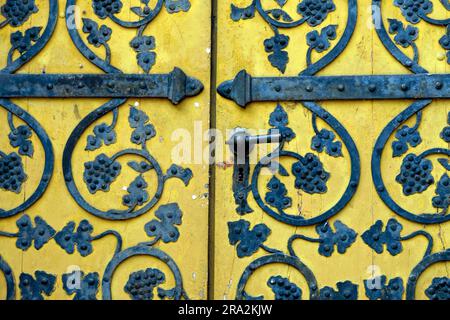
{"x": 321, "y": 224}
{"x": 126, "y": 190}
{"x": 107, "y": 196}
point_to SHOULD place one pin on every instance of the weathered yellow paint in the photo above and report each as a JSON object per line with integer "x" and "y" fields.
{"x": 183, "y": 40}
{"x": 240, "y": 46}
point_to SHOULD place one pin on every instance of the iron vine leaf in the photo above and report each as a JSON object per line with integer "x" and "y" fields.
{"x": 343, "y": 237}
{"x": 324, "y": 139}
{"x": 275, "y": 45}
{"x": 404, "y": 37}
{"x": 278, "y": 13}
{"x": 279, "y": 120}
{"x": 175, "y": 171}
{"x": 320, "y": 42}
{"x": 102, "y": 134}
{"x": 20, "y": 138}
{"x": 346, "y": 291}
{"x": 242, "y": 13}
{"x": 442, "y": 198}
{"x": 144, "y": 131}
{"x": 33, "y": 288}
{"x": 376, "y": 238}
{"x": 137, "y": 193}
{"x": 143, "y": 45}
{"x": 22, "y": 42}
{"x": 248, "y": 241}
{"x": 140, "y": 167}
{"x": 405, "y": 136}
{"x": 40, "y": 233}
{"x": 173, "y": 6}
{"x": 96, "y": 36}
{"x": 376, "y": 288}
{"x": 85, "y": 287}
{"x": 277, "y": 196}
{"x": 169, "y": 215}
{"x": 67, "y": 238}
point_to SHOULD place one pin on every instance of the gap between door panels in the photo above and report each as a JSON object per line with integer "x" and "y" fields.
{"x": 212, "y": 167}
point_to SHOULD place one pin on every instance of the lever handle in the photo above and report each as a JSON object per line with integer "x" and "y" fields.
{"x": 241, "y": 144}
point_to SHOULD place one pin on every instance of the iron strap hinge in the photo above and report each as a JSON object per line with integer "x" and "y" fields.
{"x": 174, "y": 86}
{"x": 244, "y": 89}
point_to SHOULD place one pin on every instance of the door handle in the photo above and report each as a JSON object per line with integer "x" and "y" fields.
{"x": 241, "y": 145}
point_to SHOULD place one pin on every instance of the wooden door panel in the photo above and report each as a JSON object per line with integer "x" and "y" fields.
{"x": 289, "y": 241}
{"x": 124, "y": 187}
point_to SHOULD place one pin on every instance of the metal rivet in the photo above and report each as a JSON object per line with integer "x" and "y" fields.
{"x": 111, "y": 84}
{"x": 438, "y": 85}
{"x": 404, "y": 87}
{"x": 325, "y": 115}
{"x": 399, "y": 119}
{"x": 380, "y": 188}
{"x": 408, "y": 63}
{"x": 353, "y": 184}
{"x": 309, "y": 88}
{"x": 68, "y": 178}
{"x": 372, "y": 87}
{"x": 277, "y": 88}
{"x": 142, "y": 85}
{"x": 341, "y": 87}
{"x": 49, "y": 86}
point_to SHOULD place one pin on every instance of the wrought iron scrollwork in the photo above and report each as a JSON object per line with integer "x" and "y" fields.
{"x": 310, "y": 174}
{"x": 415, "y": 174}
{"x": 24, "y": 46}
{"x": 249, "y": 241}
{"x": 311, "y": 12}
{"x": 100, "y": 173}
{"x": 80, "y": 238}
